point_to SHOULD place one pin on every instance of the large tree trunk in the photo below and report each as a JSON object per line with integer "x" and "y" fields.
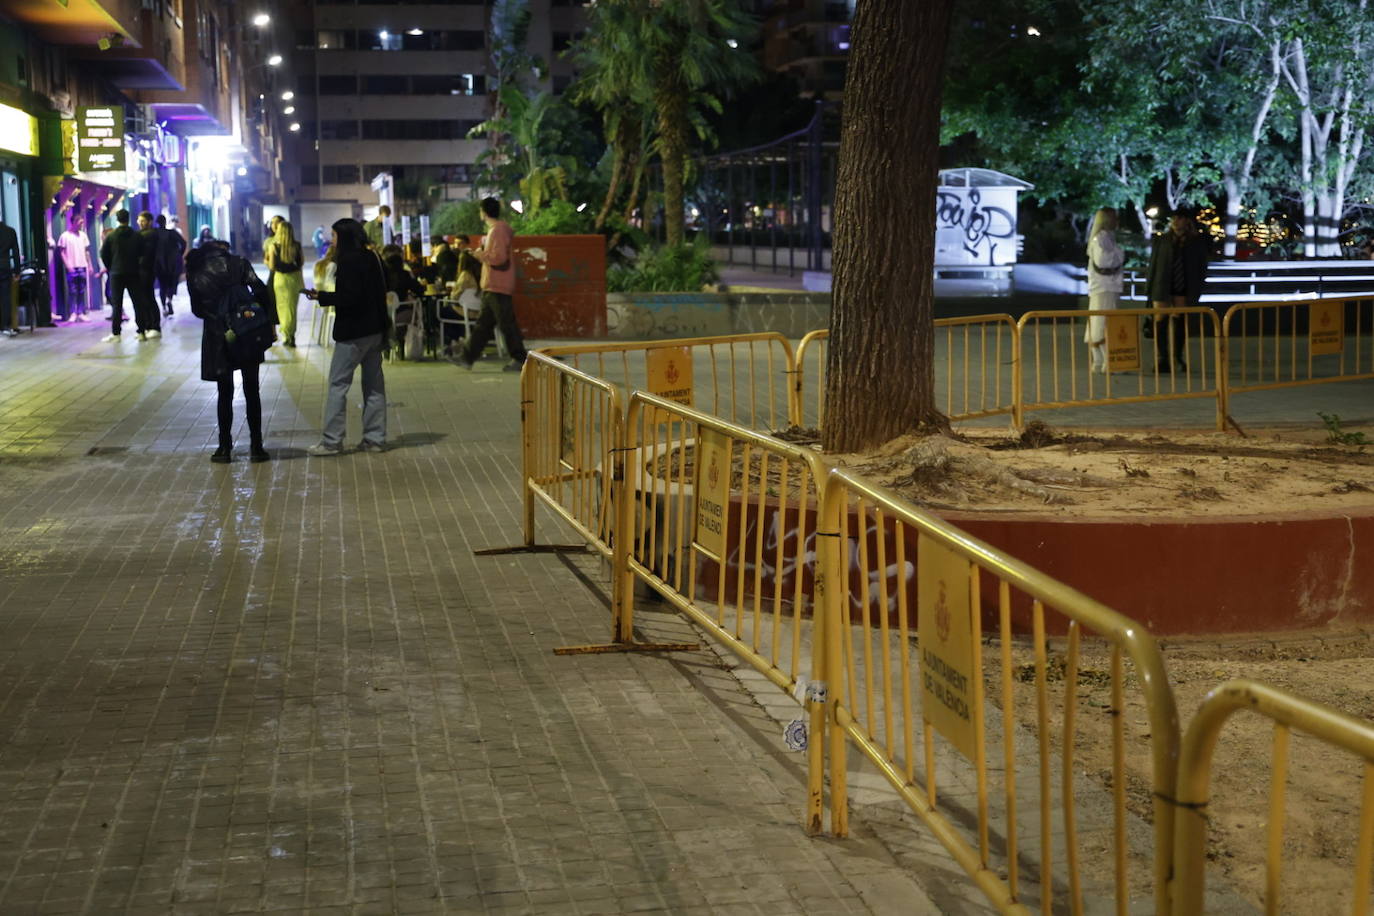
{"x": 881, "y": 382}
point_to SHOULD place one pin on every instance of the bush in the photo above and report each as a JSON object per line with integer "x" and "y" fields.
{"x": 661, "y": 269}
{"x": 462, "y": 217}
{"x": 557, "y": 217}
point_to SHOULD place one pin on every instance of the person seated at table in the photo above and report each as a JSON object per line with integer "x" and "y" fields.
{"x": 401, "y": 282}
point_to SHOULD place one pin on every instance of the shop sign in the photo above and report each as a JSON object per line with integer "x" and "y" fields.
{"x": 1123, "y": 343}
{"x": 1326, "y": 328}
{"x": 100, "y": 139}
{"x": 425, "y": 248}
{"x": 405, "y": 231}
{"x": 711, "y": 491}
{"x": 670, "y": 373}
{"x": 949, "y": 666}
{"x": 18, "y": 131}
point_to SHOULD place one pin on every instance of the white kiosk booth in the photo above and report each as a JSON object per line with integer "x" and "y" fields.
{"x": 976, "y": 243}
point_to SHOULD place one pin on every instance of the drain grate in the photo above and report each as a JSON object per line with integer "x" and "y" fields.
{"x": 104, "y": 450}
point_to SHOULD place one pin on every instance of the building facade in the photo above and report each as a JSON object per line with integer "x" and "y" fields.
{"x": 169, "y": 106}
{"x": 395, "y": 89}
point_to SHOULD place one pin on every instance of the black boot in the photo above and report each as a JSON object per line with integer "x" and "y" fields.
{"x": 257, "y": 454}
{"x": 223, "y": 454}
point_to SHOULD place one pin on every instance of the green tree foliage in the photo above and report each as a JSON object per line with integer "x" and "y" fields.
{"x": 664, "y": 63}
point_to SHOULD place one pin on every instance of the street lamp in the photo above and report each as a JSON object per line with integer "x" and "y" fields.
{"x": 295, "y": 126}
{"x": 261, "y": 19}
{"x": 289, "y": 109}
{"x": 288, "y": 95}
{"x": 274, "y": 60}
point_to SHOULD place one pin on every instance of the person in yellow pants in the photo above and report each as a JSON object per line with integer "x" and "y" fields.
{"x": 285, "y": 259}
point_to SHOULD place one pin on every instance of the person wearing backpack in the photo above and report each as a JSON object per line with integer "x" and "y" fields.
{"x": 285, "y": 260}
{"x": 360, "y": 330}
{"x": 216, "y": 281}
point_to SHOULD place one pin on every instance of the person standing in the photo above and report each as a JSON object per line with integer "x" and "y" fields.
{"x": 286, "y": 260}
{"x": 321, "y": 240}
{"x": 1105, "y": 258}
{"x": 75, "y": 250}
{"x": 498, "y": 291}
{"x": 360, "y": 322}
{"x": 211, "y": 271}
{"x": 168, "y": 262}
{"x": 1178, "y": 271}
{"x": 205, "y": 235}
{"x": 376, "y": 237}
{"x": 9, "y": 270}
{"x": 149, "y": 319}
{"x": 120, "y": 254}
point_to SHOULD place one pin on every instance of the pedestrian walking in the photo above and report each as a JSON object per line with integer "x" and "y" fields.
{"x": 121, "y": 253}
{"x": 168, "y": 263}
{"x": 360, "y": 324}
{"x": 498, "y": 291}
{"x": 287, "y": 262}
{"x": 211, "y": 272}
{"x": 74, "y": 248}
{"x": 1178, "y": 271}
{"x": 149, "y": 319}
{"x": 1105, "y": 258}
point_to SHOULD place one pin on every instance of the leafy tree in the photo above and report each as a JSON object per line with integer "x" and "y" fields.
{"x": 880, "y": 382}
{"x": 675, "y": 58}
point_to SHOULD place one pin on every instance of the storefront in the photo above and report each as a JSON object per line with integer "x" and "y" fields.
{"x": 18, "y": 156}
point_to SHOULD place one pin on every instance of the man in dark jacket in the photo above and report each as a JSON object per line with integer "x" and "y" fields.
{"x": 120, "y": 253}
{"x": 360, "y": 322}
{"x": 167, "y": 265}
{"x": 150, "y": 321}
{"x": 211, "y": 271}
{"x": 1178, "y": 271}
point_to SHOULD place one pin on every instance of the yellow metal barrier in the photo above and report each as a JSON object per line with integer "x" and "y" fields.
{"x": 746, "y": 378}
{"x": 975, "y": 376}
{"x": 1303, "y": 342}
{"x": 891, "y": 573}
{"x": 1288, "y": 712}
{"x": 813, "y": 355}
{"x": 571, "y": 426}
{"x": 1056, "y": 370}
{"x": 720, "y": 521}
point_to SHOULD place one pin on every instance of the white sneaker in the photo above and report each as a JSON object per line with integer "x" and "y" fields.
{"x": 320, "y": 450}
{"x": 83, "y": 317}
{"x": 109, "y": 338}
{"x": 154, "y": 334}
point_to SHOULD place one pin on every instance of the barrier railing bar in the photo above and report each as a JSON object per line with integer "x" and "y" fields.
{"x": 1008, "y": 734}
{"x": 1364, "y": 853}
{"x": 1118, "y": 712}
{"x": 1070, "y": 821}
{"x": 1273, "y": 860}
{"x": 1042, "y": 707}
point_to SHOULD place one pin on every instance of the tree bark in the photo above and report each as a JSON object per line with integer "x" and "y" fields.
{"x": 672, "y": 141}
{"x": 881, "y": 382}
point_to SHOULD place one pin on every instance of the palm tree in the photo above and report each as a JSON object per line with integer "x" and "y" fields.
{"x": 670, "y": 57}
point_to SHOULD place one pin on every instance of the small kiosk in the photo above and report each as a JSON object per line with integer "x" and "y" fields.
{"x": 976, "y": 243}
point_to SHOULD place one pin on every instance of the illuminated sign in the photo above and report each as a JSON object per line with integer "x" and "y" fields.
{"x": 18, "y": 131}
{"x": 100, "y": 139}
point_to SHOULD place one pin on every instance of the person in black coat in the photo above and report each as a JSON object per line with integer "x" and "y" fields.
{"x": 1178, "y": 272}
{"x": 211, "y": 270}
{"x": 168, "y": 262}
{"x": 360, "y": 324}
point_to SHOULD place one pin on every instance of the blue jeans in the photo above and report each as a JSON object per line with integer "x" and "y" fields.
{"x": 348, "y": 355}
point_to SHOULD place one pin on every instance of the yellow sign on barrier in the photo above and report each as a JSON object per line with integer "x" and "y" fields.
{"x": 670, "y": 373}
{"x": 944, "y": 610}
{"x": 1123, "y": 343}
{"x": 1326, "y": 328}
{"x": 712, "y": 491}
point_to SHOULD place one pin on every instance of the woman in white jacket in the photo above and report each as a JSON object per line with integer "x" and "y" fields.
{"x": 1105, "y": 258}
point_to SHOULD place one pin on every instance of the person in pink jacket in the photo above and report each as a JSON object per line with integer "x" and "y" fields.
{"x": 498, "y": 290}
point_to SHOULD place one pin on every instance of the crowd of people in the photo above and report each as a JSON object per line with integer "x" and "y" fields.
{"x": 357, "y": 272}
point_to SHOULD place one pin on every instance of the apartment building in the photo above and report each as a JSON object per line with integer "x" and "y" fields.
{"x": 396, "y": 87}
{"x": 808, "y": 39}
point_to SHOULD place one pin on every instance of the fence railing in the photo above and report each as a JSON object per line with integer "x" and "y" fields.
{"x": 746, "y": 378}
{"x": 1056, "y": 369}
{"x": 978, "y": 378}
{"x": 899, "y": 582}
{"x": 1288, "y": 713}
{"x": 570, "y": 424}
{"x": 720, "y": 521}
{"x": 1302, "y": 342}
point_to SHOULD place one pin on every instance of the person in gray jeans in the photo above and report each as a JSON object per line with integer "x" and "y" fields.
{"x": 360, "y": 321}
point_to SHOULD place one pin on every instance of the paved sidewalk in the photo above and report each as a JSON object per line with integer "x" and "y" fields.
{"x": 292, "y": 687}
